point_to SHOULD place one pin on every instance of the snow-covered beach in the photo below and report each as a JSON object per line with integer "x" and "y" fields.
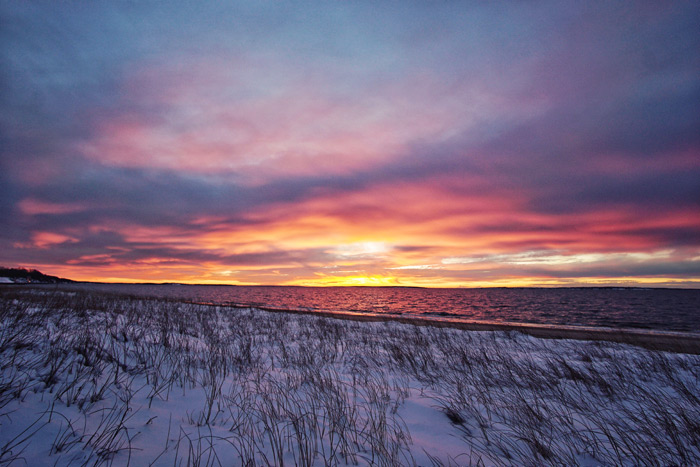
{"x": 92, "y": 378}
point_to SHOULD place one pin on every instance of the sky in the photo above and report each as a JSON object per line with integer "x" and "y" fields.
{"x": 438, "y": 144}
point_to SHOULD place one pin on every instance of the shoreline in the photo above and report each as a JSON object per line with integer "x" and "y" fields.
{"x": 669, "y": 341}
{"x": 661, "y": 340}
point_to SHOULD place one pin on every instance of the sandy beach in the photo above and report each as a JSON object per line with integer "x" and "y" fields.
{"x": 655, "y": 340}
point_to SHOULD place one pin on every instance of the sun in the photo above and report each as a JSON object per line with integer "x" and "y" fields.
{"x": 374, "y": 280}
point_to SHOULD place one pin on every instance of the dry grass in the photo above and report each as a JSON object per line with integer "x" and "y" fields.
{"x": 111, "y": 374}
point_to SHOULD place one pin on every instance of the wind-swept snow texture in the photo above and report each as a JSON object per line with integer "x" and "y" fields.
{"x": 91, "y": 378}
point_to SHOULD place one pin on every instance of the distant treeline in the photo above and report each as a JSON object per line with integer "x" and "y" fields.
{"x": 30, "y": 275}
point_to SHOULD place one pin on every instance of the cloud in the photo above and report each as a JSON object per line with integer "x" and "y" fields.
{"x": 341, "y": 137}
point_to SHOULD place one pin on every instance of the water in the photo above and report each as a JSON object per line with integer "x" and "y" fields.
{"x": 654, "y": 309}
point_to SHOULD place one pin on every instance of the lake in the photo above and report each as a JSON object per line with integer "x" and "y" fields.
{"x": 655, "y": 309}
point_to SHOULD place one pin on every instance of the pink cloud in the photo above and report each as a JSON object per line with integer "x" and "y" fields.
{"x": 32, "y": 206}
{"x": 263, "y": 121}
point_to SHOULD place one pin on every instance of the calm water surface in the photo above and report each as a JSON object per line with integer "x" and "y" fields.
{"x": 657, "y": 309}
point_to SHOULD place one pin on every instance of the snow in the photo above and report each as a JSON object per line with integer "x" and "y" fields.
{"x": 89, "y": 379}
{"x": 6, "y": 280}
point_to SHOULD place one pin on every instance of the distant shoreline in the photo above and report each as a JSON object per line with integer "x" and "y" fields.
{"x": 503, "y": 287}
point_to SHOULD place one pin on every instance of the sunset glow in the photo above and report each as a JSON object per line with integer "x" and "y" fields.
{"x": 347, "y": 143}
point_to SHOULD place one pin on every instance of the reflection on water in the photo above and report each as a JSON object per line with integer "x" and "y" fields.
{"x": 659, "y": 309}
